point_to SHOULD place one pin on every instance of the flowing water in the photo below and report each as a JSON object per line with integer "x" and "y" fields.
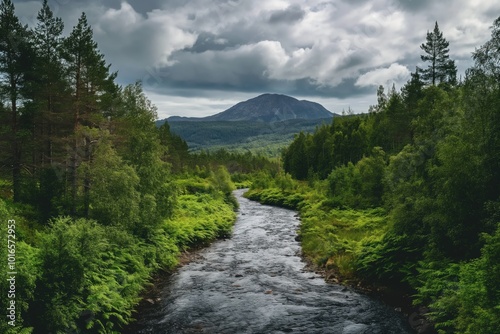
{"x": 255, "y": 282}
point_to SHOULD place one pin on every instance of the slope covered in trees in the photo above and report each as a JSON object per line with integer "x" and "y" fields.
{"x": 409, "y": 194}
{"x": 238, "y": 136}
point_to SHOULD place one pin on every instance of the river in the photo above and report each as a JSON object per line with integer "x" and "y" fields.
{"x": 255, "y": 282}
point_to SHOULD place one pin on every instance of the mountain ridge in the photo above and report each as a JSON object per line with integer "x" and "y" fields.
{"x": 267, "y": 108}
{"x": 263, "y": 125}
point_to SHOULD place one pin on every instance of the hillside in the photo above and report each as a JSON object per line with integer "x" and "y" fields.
{"x": 257, "y": 137}
{"x": 263, "y": 124}
{"x": 272, "y": 108}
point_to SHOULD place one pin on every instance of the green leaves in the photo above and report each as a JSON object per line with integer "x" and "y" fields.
{"x": 361, "y": 185}
{"x": 114, "y": 198}
{"x": 85, "y": 267}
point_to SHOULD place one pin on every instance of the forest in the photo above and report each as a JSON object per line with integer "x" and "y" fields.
{"x": 95, "y": 199}
{"x": 259, "y": 138}
{"x": 408, "y": 195}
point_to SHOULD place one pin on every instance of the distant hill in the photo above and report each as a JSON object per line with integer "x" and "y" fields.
{"x": 270, "y": 108}
{"x": 267, "y": 108}
{"x": 263, "y": 124}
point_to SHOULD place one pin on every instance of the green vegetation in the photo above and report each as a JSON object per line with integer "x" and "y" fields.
{"x": 80, "y": 274}
{"x": 408, "y": 195}
{"x": 331, "y": 236}
{"x": 259, "y": 138}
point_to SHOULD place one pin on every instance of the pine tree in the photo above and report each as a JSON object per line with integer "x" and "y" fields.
{"x": 49, "y": 101}
{"x": 91, "y": 85}
{"x": 441, "y": 68}
{"x": 14, "y": 61}
{"x": 49, "y": 90}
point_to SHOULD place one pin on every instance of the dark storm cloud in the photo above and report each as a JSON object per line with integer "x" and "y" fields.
{"x": 288, "y": 15}
{"x": 416, "y": 5}
{"x": 208, "y": 41}
{"x": 344, "y": 90}
{"x": 218, "y": 71}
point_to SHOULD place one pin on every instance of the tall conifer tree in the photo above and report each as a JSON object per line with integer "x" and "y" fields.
{"x": 49, "y": 84}
{"x": 91, "y": 85}
{"x": 14, "y": 61}
{"x": 441, "y": 68}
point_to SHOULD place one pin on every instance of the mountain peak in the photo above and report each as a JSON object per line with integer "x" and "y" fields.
{"x": 268, "y": 108}
{"x": 271, "y": 108}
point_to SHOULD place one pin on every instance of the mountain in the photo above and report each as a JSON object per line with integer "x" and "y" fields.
{"x": 267, "y": 108}
{"x": 264, "y": 124}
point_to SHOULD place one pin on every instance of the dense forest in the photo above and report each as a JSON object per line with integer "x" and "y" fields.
{"x": 259, "y": 138}
{"x": 408, "y": 195}
{"x": 94, "y": 197}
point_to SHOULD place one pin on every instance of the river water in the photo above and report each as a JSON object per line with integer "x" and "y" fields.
{"x": 255, "y": 282}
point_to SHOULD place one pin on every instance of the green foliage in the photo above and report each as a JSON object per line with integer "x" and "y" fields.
{"x": 222, "y": 183}
{"x": 334, "y": 237}
{"x": 114, "y": 197}
{"x": 360, "y": 185}
{"x": 276, "y": 197}
{"x": 242, "y": 163}
{"x": 438, "y": 286}
{"x": 142, "y": 150}
{"x": 99, "y": 211}
{"x": 388, "y": 260}
{"x": 241, "y": 180}
{"x": 337, "y": 144}
{"x": 330, "y": 237}
{"x": 280, "y": 191}
{"x": 464, "y": 297}
{"x": 176, "y": 149}
{"x": 89, "y": 275}
{"x": 190, "y": 225}
{"x": 259, "y": 138}
{"x": 26, "y": 267}
{"x": 479, "y": 290}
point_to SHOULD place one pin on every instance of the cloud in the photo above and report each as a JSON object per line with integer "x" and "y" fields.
{"x": 289, "y": 15}
{"x": 141, "y": 40}
{"x": 395, "y": 73}
{"x": 335, "y": 49}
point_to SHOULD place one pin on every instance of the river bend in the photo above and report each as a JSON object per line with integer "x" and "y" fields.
{"x": 255, "y": 282}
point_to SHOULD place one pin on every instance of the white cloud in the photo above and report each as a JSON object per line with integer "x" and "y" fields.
{"x": 119, "y": 21}
{"x": 395, "y": 73}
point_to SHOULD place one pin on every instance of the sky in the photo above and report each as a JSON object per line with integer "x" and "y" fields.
{"x": 197, "y": 58}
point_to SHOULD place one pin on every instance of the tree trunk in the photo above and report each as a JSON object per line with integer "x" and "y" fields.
{"x": 16, "y": 151}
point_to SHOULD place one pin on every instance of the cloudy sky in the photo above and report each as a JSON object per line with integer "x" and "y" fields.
{"x": 199, "y": 57}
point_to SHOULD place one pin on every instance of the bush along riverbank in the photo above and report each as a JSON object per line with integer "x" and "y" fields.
{"x": 333, "y": 241}
{"x": 79, "y": 275}
{"x": 358, "y": 248}
{"x": 331, "y": 238}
